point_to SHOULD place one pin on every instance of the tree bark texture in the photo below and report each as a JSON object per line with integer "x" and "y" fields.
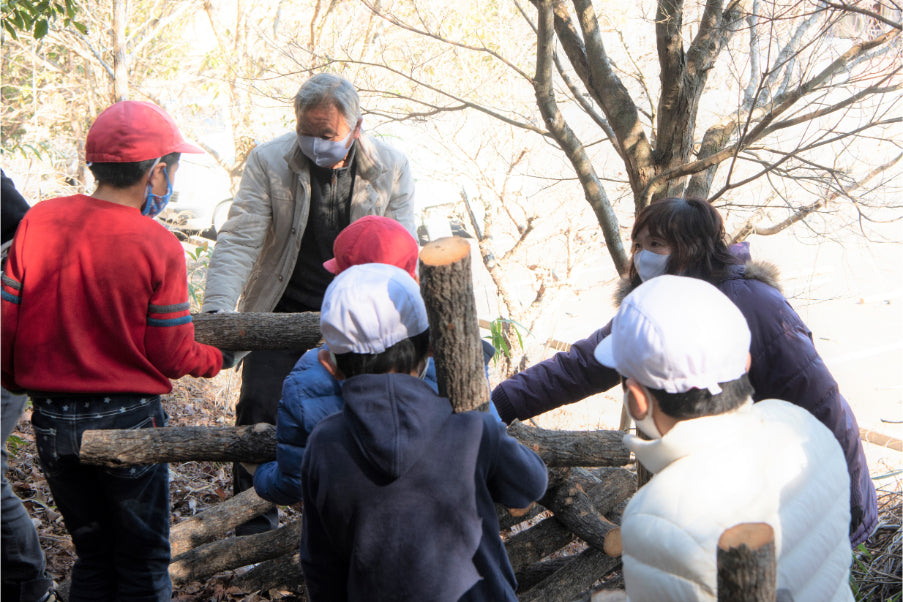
{"x": 532, "y": 545}
{"x": 575, "y": 577}
{"x": 256, "y": 331}
{"x": 446, "y": 284}
{"x": 573, "y": 448}
{"x": 573, "y": 507}
{"x": 214, "y": 522}
{"x": 257, "y": 444}
{"x": 284, "y": 571}
{"x": 254, "y": 443}
{"x": 747, "y": 567}
{"x": 201, "y": 563}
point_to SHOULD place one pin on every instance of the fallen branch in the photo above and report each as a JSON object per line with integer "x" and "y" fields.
{"x": 201, "y": 563}
{"x": 214, "y": 522}
{"x": 255, "y": 443}
{"x": 254, "y": 331}
{"x": 573, "y": 448}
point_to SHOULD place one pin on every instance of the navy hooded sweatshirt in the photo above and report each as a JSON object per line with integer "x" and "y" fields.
{"x": 399, "y": 497}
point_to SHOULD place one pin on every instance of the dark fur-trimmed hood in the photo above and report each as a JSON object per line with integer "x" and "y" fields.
{"x": 763, "y": 271}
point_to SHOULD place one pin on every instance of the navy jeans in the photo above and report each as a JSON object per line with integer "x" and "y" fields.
{"x": 118, "y": 517}
{"x": 22, "y": 568}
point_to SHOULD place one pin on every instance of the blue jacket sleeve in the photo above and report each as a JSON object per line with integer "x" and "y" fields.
{"x": 517, "y": 476}
{"x": 309, "y": 394}
{"x": 566, "y": 377}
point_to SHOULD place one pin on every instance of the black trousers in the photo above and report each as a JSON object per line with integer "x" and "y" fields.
{"x": 262, "y": 374}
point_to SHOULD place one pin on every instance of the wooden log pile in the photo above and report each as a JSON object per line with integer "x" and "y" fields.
{"x": 558, "y": 548}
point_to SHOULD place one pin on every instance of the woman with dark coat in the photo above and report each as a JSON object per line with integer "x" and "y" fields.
{"x": 687, "y": 237}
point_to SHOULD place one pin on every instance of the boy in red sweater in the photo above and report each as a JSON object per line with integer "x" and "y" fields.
{"x": 95, "y": 323}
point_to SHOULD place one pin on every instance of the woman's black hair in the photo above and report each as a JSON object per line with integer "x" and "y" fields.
{"x": 402, "y": 357}
{"x": 123, "y": 175}
{"x": 696, "y": 403}
{"x": 695, "y": 232}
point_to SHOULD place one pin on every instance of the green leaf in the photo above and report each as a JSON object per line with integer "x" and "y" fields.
{"x": 40, "y": 29}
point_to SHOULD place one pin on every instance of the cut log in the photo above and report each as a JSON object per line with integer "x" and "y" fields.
{"x": 214, "y": 522}
{"x": 608, "y": 488}
{"x": 538, "y": 572}
{"x": 576, "y": 577}
{"x": 446, "y": 284}
{"x": 201, "y": 563}
{"x": 255, "y": 331}
{"x": 255, "y": 443}
{"x": 747, "y": 567}
{"x": 573, "y": 448}
{"x": 571, "y": 505}
{"x": 282, "y": 572}
{"x": 532, "y": 545}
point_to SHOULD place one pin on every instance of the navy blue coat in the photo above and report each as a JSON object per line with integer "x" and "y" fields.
{"x": 785, "y": 365}
{"x": 310, "y": 394}
{"x": 400, "y": 494}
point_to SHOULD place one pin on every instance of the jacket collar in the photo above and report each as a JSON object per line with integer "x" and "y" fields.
{"x": 751, "y": 270}
{"x": 688, "y": 437}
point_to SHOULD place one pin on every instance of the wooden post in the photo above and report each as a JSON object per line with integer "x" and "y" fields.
{"x": 747, "y": 567}
{"x": 447, "y": 287}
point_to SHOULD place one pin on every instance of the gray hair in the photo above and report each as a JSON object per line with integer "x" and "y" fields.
{"x": 326, "y": 88}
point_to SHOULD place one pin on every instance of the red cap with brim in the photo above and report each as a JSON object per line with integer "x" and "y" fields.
{"x": 132, "y": 131}
{"x": 374, "y": 239}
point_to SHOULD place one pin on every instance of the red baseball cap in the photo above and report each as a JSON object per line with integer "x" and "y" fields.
{"x": 374, "y": 239}
{"x": 132, "y": 131}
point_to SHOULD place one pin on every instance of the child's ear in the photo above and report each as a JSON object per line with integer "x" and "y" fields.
{"x": 327, "y": 360}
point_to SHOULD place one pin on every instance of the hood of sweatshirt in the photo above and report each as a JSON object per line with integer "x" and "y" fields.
{"x": 393, "y": 419}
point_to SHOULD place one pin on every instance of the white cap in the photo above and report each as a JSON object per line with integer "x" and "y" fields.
{"x": 370, "y": 307}
{"x": 675, "y": 333}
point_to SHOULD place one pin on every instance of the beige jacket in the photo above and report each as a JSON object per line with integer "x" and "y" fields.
{"x": 258, "y": 246}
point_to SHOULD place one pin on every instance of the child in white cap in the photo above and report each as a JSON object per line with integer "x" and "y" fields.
{"x": 718, "y": 460}
{"x": 399, "y": 492}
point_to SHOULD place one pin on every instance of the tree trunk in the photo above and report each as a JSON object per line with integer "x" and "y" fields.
{"x": 254, "y": 443}
{"x": 573, "y": 448}
{"x": 575, "y": 577}
{"x": 447, "y": 287}
{"x": 201, "y": 563}
{"x": 284, "y": 571}
{"x": 255, "y": 331}
{"x": 213, "y": 523}
{"x": 120, "y": 52}
{"x": 747, "y": 567}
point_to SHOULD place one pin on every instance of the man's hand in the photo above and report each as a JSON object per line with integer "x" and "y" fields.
{"x": 228, "y": 359}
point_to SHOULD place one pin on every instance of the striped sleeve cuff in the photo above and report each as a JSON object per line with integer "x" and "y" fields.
{"x": 169, "y": 315}
{"x": 12, "y": 290}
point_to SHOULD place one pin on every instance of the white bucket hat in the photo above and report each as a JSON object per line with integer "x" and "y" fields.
{"x": 370, "y": 307}
{"x": 675, "y": 333}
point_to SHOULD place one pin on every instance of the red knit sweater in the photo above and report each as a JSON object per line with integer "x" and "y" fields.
{"x": 95, "y": 300}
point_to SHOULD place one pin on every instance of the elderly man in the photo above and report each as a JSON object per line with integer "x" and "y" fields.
{"x": 682, "y": 348}
{"x": 296, "y": 194}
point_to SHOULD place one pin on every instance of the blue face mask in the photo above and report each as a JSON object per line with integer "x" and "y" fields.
{"x": 154, "y": 203}
{"x": 649, "y": 265}
{"x": 325, "y": 153}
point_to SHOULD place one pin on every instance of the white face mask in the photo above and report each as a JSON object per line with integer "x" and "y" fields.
{"x": 649, "y": 265}
{"x": 325, "y": 153}
{"x": 647, "y": 424}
